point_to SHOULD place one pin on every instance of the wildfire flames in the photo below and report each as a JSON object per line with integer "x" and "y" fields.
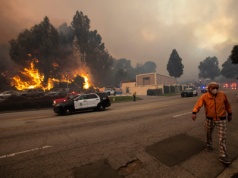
{"x": 31, "y": 78}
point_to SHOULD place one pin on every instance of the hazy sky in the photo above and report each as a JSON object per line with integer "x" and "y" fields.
{"x": 139, "y": 30}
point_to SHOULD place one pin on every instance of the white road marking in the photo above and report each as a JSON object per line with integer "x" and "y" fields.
{"x": 182, "y": 114}
{"x": 26, "y": 151}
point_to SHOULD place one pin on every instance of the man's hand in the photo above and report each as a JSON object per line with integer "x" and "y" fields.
{"x": 229, "y": 118}
{"x": 194, "y": 117}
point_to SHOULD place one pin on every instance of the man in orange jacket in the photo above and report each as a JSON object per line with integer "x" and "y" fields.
{"x": 216, "y": 107}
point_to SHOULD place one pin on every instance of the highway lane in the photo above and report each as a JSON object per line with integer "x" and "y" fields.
{"x": 40, "y": 143}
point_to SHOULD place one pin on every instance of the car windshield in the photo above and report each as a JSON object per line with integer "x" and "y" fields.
{"x": 188, "y": 89}
{"x": 76, "y": 96}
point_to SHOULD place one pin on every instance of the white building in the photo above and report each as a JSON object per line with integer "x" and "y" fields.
{"x": 148, "y": 81}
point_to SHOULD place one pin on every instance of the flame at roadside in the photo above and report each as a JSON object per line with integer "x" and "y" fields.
{"x": 31, "y": 78}
{"x": 34, "y": 79}
{"x": 82, "y": 72}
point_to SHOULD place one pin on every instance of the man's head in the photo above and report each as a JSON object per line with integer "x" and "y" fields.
{"x": 213, "y": 88}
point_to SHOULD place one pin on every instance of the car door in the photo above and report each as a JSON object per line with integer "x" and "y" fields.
{"x": 80, "y": 102}
{"x": 92, "y": 100}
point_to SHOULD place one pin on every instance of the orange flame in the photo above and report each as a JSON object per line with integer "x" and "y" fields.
{"x": 85, "y": 75}
{"x": 86, "y": 84}
{"x": 35, "y": 79}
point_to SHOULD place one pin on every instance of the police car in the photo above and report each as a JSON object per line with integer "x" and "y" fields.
{"x": 95, "y": 101}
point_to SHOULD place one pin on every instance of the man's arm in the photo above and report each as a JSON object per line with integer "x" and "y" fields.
{"x": 197, "y": 107}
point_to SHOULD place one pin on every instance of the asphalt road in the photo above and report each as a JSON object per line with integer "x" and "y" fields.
{"x": 153, "y": 137}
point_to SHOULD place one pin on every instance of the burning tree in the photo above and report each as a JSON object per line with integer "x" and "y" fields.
{"x": 61, "y": 55}
{"x": 38, "y": 52}
{"x": 40, "y": 42}
{"x": 93, "y": 55}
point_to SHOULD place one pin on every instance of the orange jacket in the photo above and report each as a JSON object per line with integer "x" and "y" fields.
{"x": 215, "y": 107}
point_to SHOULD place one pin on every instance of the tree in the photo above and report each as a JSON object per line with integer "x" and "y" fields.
{"x": 66, "y": 34}
{"x": 120, "y": 76}
{"x": 122, "y": 63}
{"x": 234, "y": 55}
{"x": 92, "y": 50}
{"x": 6, "y": 67}
{"x": 139, "y": 69}
{"x": 122, "y": 71}
{"x": 229, "y": 70}
{"x": 149, "y": 67}
{"x": 175, "y": 66}
{"x": 81, "y": 26}
{"x": 209, "y": 68}
{"x": 40, "y": 42}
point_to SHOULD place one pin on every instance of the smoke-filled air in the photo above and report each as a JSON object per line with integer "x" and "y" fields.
{"x": 103, "y": 43}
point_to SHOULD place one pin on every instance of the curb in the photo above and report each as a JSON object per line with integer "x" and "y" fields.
{"x": 231, "y": 170}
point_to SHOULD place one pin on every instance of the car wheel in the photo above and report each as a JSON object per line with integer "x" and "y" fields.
{"x": 101, "y": 107}
{"x": 68, "y": 111}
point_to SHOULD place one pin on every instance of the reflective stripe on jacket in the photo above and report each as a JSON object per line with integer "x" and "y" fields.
{"x": 215, "y": 107}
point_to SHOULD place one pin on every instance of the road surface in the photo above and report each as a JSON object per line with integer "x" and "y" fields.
{"x": 154, "y": 137}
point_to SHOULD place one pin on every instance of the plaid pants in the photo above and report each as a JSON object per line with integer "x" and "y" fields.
{"x": 221, "y": 126}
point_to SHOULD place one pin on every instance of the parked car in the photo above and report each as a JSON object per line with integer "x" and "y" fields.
{"x": 110, "y": 91}
{"x": 52, "y": 93}
{"x": 32, "y": 92}
{"x": 189, "y": 92}
{"x": 58, "y": 92}
{"x": 7, "y": 94}
{"x": 95, "y": 101}
{"x": 66, "y": 98}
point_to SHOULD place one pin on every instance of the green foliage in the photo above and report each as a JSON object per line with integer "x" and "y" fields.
{"x": 175, "y": 66}
{"x": 209, "y": 68}
{"x": 234, "y": 55}
{"x": 229, "y": 70}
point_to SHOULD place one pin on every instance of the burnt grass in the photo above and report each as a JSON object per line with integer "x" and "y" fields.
{"x": 16, "y": 103}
